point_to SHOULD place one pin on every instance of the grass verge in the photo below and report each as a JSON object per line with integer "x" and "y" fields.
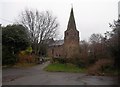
{"x": 57, "y": 67}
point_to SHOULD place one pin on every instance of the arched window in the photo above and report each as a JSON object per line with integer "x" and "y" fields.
{"x": 67, "y": 34}
{"x": 52, "y": 51}
{"x": 56, "y": 54}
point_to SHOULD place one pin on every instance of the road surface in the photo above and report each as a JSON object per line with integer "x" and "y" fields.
{"x": 37, "y": 76}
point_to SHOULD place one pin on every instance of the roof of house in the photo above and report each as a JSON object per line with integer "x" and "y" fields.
{"x": 57, "y": 42}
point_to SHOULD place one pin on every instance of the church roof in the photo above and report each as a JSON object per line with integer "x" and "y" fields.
{"x": 57, "y": 42}
{"x": 71, "y": 22}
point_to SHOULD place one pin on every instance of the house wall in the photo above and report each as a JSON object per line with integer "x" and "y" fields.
{"x": 56, "y": 51}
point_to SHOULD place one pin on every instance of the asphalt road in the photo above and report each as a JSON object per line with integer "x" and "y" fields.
{"x": 36, "y": 76}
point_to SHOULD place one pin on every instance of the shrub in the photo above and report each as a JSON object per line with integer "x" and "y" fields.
{"x": 9, "y": 59}
{"x": 59, "y": 60}
{"x": 14, "y": 39}
{"x": 100, "y": 66}
{"x": 76, "y": 61}
{"x": 28, "y": 50}
{"x": 25, "y": 57}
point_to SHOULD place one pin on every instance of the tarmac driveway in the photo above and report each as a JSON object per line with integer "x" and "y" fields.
{"x": 36, "y": 76}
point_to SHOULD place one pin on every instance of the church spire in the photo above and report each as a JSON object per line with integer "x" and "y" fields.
{"x": 71, "y": 22}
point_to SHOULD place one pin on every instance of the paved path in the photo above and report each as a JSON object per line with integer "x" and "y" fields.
{"x": 36, "y": 76}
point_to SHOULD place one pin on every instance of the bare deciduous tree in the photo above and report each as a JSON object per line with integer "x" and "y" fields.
{"x": 96, "y": 45}
{"x": 40, "y": 26}
{"x": 96, "y": 38}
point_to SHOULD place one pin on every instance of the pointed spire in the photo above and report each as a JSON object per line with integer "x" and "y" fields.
{"x": 71, "y": 22}
{"x": 72, "y": 5}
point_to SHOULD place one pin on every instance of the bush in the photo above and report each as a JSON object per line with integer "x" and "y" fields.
{"x": 107, "y": 68}
{"x": 26, "y": 58}
{"x": 14, "y": 39}
{"x": 9, "y": 59}
{"x": 76, "y": 61}
{"x": 100, "y": 67}
{"x": 28, "y": 50}
{"x": 59, "y": 60}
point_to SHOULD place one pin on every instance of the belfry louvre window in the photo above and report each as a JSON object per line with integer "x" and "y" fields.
{"x": 52, "y": 51}
{"x": 67, "y": 34}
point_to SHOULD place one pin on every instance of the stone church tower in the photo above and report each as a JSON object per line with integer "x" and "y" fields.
{"x": 69, "y": 47}
{"x": 71, "y": 38}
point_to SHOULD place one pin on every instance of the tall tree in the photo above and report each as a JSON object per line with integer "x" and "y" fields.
{"x": 84, "y": 48}
{"x": 96, "y": 46}
{"x": 14, "y": 39}
{"x": 113, "y": 42}
{"x": 95, "y": 38}
{"x": 40, "y": 26}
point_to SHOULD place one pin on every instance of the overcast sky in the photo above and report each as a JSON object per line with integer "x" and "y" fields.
{"x": 91, "y": 16}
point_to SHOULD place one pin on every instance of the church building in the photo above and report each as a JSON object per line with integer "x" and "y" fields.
{"x": 69, "y": 47}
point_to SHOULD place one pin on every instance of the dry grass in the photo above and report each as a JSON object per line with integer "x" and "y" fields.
{"x": 96, "y": 68}
{"x": 24, "y": 65}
